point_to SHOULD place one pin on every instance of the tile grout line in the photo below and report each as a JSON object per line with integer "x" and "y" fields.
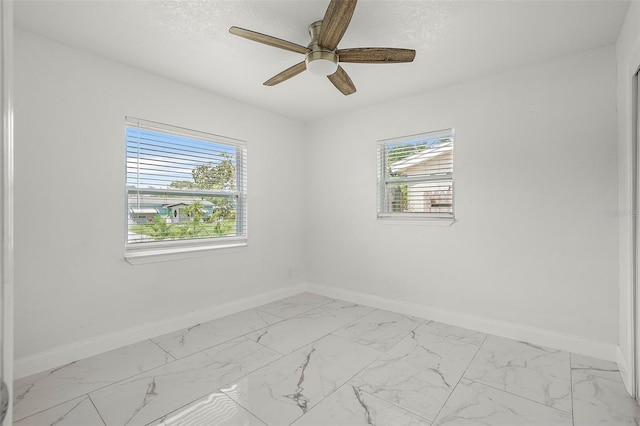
{"x": 164, "y": 350}
{"x": 299, "y": 313}
{"x": 524, "y": 397}
{"x": 16, "y": 420}
{"x": 573, "y": 420}
{"x": 518, "y": 396}
{"x": 460, "y": 379}
{"x": 96, "y": 408}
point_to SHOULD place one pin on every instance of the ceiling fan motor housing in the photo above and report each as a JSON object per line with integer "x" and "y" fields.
{"x": 320, "y": 61}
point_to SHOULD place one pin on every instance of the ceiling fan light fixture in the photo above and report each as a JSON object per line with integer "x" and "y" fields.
{"x": 322, "y": 62}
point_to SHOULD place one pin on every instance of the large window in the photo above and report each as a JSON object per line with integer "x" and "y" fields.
{"x": 186, "y": 190}
{"x": 415, "y": 176}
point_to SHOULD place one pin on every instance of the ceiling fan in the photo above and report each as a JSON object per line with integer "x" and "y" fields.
{"x": 322, "y": 55}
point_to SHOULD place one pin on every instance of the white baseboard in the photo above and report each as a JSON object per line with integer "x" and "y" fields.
{"x": 538, "y": 336}
{"x": 65, "y": 354}
{"x": 625, "y": 371}
{"x": 68, "y": 353}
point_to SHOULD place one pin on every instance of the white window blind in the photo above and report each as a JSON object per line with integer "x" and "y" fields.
{"x": 185, "y": 189}
{"x": 415, "y": 176}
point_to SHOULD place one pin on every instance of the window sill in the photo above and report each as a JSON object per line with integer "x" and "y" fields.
{"x": 154, "y": 255}
{"x": 416, "y": 221}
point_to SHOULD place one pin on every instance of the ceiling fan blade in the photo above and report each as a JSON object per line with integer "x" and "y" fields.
{"x": 286, "y": 74}
{"x": 341, "y": 80}
{"x": 269, "y": 40}
{"x": 374, "y": 55}
{"x": 335, "y": 22}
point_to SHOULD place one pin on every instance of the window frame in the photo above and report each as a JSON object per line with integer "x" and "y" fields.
{"x": 383, "y": 179}
{"x": 155, "y": 251}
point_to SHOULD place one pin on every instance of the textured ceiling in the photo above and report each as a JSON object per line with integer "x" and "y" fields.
{"x": 455, "y": 41}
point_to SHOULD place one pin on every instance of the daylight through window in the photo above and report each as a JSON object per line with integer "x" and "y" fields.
{"x": 185, "y": 189}
{"x": 415, "y": 176}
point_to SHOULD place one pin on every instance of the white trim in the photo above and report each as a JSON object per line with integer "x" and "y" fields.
{"x": 632, "y": 365}
{"x": 625, "y": 372}
{"x": 436, "y": 134}
{"x": 418, "y": 221}
{"x": 6, "y": 199}
{"x": 553, "y": 339}
{"x": 195, "y": 249}
{"x": 383, "y": 179}
{"x": 65, "y": 354}
{"x": 183, "y": 131}
{"x": 628, "y": 364}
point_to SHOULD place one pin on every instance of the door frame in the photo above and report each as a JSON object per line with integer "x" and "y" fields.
{"x": 6, "y": 202}
{"x": 634, "y": 372}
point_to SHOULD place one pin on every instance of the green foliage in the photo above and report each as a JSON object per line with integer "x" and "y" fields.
{"x": 195, "y": 212}
{"x": 161, "y": 230}
{"x": 224, "y": 208}
{"x": 182, "y": 184}
{"x": 221, "y": 176}
{"x": 399, "y": 194}
{"x": 218, "y": 177}
{"x": 400, "y": 152}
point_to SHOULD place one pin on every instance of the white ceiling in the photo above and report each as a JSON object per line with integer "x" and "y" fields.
{"x": 455, "y": 41}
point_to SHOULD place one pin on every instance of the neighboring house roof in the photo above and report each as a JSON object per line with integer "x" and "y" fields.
{"x": 144, "y": 210}
{"x": 143, "y": 202}
{"x": 203, "y": 203}
{"x": 428, "y": 154}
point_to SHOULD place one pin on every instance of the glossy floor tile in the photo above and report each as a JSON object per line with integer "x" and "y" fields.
{"x": 202, "y": 336}
{"x": 295, "y": 305}
{"x": 214, "y": 409}
{"x": 288, "y": 388}
{"x": 530, "y": 371}
{"x": 599, "y": 396}
{"x": 148, "y": 396}
{"x": 77, "y": 412}
{"x": 293, "y": 333}
{"x": 379, "y": 329}
{"x": 476, "y": 404}
{"x": 309, "y": 360}
{"x": 49, "y": 388}
{"x": 350, "y": 406}
{"x": 419, "y": 373}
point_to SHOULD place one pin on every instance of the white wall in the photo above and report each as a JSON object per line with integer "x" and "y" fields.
{"x": 533, "y": 248}
{"x": 628, "y": 61}
{"x": 72, "y": 283}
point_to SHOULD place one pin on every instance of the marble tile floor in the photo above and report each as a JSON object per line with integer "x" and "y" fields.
{"x": 314, "y": 361}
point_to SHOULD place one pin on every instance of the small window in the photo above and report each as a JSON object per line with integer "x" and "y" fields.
{"x": 415, "y": 176}
{"x": 186, "y": 190}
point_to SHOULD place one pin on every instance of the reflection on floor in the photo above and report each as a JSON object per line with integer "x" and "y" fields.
{"x": 311, "y": 360}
